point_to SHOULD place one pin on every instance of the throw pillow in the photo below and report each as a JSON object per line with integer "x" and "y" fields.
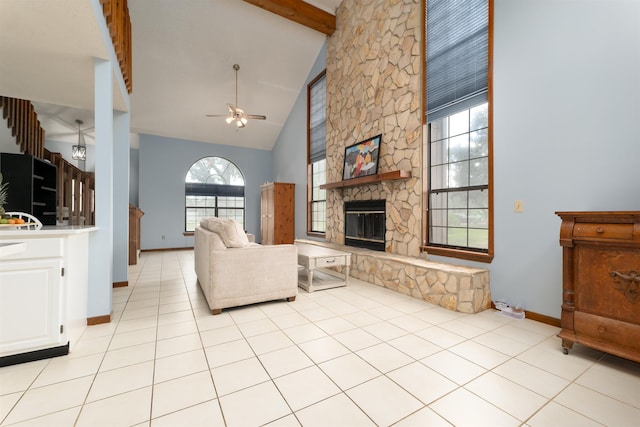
{"x": 230, "y": 231}
{"x": 209, "y": 222}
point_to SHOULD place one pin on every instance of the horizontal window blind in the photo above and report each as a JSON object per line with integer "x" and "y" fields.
{"x": 457, "y": 54}
{"x": 202, "y": 189}
{"x": 318, "y": 120}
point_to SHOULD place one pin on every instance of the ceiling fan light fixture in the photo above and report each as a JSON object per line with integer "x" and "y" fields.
{"x": 237, "y": 114}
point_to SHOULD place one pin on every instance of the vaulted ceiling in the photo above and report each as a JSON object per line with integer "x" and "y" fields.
{"x": 183, "y": 56}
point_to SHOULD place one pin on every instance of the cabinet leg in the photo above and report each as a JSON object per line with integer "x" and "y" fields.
{"x": 566, "y": 346}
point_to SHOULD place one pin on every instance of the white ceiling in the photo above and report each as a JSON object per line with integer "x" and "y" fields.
{"x": 183, "y": 54}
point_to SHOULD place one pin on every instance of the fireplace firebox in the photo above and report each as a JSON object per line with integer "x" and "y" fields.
{"x": 365, "y": 224}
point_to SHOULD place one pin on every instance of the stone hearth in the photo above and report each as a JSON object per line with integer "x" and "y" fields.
{"x": 453, "y": 287}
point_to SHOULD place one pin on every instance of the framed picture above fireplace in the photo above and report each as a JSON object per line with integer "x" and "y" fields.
{"x": 361, "y": 159}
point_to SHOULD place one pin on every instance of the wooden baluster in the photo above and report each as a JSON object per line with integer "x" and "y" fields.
{"x": 60, "y": 187}
{"x": 27, "y": 125}
{"x": 20, "y": 127}
{"x": 86, "y": 199}
{"x": 76, "y": 197}
{"x": 67, "y": 191}
{"x": 20, "y": 123}
{"x": 10, "y": 114}
{"x": 13, "y": 110}
{"x": 5, "y": 107}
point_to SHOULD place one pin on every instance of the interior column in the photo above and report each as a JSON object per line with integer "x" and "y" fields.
{"x": 101, "y": 241}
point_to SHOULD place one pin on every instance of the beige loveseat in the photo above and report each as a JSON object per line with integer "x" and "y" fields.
{"x": 233, "y": 271}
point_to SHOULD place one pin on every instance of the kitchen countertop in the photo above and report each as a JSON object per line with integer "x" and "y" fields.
{"x": 46, "y": 231}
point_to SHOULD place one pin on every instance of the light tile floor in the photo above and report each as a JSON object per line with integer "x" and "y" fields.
{"x": 355, "y": 356}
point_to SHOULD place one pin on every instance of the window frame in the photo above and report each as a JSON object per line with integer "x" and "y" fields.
{"x": 310, "y": 200}
{"x": 222, "y": 190}
{"x": 460, "y": 253}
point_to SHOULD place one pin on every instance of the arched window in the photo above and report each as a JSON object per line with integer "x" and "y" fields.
{"x": 213, "y": 187}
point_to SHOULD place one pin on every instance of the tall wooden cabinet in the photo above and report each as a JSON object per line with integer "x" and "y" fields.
{"x": 601, "y": 281}
{"x": 277, "y": 210}
{"x": 134, "y": 233}
{"x": 32, "y": 186}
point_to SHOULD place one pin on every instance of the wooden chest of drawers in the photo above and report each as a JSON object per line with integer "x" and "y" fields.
{"x": 601, "y": 281}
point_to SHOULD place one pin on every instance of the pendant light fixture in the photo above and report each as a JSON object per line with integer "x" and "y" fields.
{"x": 79, "y": 152}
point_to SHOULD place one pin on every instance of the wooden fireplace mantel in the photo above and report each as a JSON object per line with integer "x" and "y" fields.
{"x": 370, "y": 179}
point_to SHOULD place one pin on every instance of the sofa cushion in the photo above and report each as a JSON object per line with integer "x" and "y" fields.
{"x": 229, "y": 231}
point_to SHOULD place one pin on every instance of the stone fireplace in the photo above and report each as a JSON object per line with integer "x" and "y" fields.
{"x": 364, "y": 224}
{"x": 374, "y": 86}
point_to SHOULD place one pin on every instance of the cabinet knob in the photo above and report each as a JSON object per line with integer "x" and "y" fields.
{"x": 602, "y": 329}
{"x": 600, "y": 230}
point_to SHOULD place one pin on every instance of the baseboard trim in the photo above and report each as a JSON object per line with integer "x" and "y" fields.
{"x": 121, "y": 284}
{"x": 98, "y": 320}
{"x": 167, "y": 249}
{"x": 542, "y": 318}
{"x": 32, "y": 356}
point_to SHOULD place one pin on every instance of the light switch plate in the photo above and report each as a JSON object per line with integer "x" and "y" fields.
{"x": 518, "y": 206}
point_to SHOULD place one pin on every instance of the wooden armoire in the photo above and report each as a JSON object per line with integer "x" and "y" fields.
{"x": 277, "y": 210}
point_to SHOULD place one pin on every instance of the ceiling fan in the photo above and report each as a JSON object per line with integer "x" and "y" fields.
{"x": 236, "y": 114}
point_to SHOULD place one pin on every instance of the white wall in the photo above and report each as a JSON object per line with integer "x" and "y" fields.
{"x": 7, "y": 141}
{"x": 163, "y": 166}
{"x": 566, "y": 104}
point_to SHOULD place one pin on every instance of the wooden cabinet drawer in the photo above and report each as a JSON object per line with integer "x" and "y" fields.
{"x": 604, "y": 231}
{"x": 607, "y": 330}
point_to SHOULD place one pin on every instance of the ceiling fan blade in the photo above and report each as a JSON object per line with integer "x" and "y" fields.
{"x": 257, "y": 117}
{"x": 216, "y": 115}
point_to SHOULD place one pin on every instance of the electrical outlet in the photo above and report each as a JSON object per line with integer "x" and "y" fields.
{"x": 518, "y": 206}
{"x": 163, "y": 237}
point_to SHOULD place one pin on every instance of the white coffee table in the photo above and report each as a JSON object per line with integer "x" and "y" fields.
{"x": 316, "y": 258}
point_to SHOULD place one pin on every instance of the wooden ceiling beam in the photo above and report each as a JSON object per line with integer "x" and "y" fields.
{"x": 300, "y": 12}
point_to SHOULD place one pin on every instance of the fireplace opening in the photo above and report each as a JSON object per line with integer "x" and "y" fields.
{"x": 365, "y": 224}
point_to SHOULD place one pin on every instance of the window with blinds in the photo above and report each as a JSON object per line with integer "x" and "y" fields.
{"x": 458, "y": 150}
{"x": 316, "y": 165}
{"x": 214, "y": 186}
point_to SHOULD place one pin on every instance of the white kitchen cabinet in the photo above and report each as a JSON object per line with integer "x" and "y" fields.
{"x": 43, "y": 292}
{"x": 31, "y": 305}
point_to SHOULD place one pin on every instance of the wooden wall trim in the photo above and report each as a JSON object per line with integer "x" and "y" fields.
{"x": 98, "y": 320}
